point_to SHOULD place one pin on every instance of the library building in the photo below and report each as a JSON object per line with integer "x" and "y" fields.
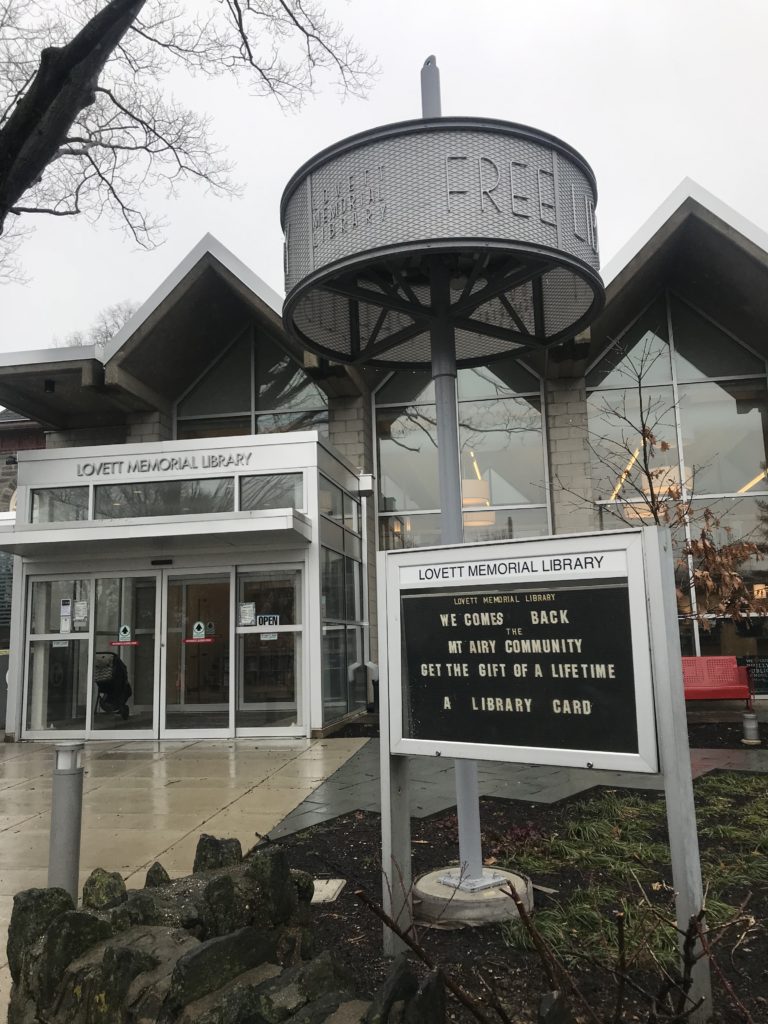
{"x": 190, "y": 515}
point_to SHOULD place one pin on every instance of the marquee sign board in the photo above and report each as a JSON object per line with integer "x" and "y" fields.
{"x": 534, "y": 652}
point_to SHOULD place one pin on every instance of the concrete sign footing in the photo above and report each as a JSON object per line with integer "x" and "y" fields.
{"x": 438, "y": 905}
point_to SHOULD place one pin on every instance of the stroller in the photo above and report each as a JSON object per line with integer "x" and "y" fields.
{"x": 111, "y": 678}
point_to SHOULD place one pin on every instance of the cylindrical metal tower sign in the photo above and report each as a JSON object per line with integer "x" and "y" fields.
{"x": 511, "y": 211}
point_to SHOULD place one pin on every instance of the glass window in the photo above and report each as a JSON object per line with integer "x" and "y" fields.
{"x": 226, "y": 387}
{"x": 502, "y": 452}
{"x": 418, "y": 531}
{"x": 334, "y": 672}
{"x": 58, "y": 684}
{"x": 271, "y": 490}
{"x": 281, "y": 383}
{"x": 230, "y": 426}
{"x": 54, "y": 601}
{"x": 703, "y": 350}
{"x": 273, "y": 593}
{"x": 407, "y": 387}
{"x": 503, "y": 378}
{"x": 617, "y": 424}
{"x": 352, "y": 600}
{"x": 724, "y": 427}
{"x": 165, "y": 498}
{"x": 642, "y": 353}
{"x": 59, "y": 504}
{"x": 284, "y": 423}
{"x": 331, "y": 500}
{"x": 332, "y": 584}
{"x": 351, "y": 514}
{"x": 407, "y": 440}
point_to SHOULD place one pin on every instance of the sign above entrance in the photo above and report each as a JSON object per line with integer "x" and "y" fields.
{"x": 501, "y": 652}
{"x": 182, "y": 463}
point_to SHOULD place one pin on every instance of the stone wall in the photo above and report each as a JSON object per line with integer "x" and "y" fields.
{"x": 230, "y": 944}
{"x": 153, "y": 426}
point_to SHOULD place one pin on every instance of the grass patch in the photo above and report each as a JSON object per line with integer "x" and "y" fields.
{"x": 609, "y": 854}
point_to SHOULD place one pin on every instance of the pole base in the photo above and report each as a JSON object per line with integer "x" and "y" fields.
{"x": 439, "y": 905}
{"x": 488, "y": 880}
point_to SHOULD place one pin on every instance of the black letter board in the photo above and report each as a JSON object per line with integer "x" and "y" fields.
{"x": 548, "y": 667}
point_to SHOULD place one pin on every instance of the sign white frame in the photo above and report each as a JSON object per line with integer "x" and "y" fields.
{"x": 623, "y": 559}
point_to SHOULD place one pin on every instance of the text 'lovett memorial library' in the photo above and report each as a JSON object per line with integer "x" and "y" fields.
{"x": 191, "y": 516}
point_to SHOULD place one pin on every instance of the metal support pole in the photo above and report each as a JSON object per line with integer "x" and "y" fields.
{"x": 452, "y": 532}
{"x": 430, "y": 89}
{"x": 66, "y": 818}
{"x": 675, "y": 755}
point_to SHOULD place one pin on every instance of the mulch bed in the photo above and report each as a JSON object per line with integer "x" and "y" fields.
{"x": 349, "y": 847}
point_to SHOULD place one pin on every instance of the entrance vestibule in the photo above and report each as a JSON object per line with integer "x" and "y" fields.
{"x": 211, "y": 652}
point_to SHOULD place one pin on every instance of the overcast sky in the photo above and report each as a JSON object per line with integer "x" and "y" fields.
{"x": 649, "y": 91}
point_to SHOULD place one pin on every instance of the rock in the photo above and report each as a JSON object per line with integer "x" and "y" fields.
{"x": 284, "y": 996}
{"x": 227, "y": 905}
{"x": 269, "y": 870}
{"x": 217, "y": 961}
{"x": 428, "y": 1005}
{"x": 554, "y": 1009}
{"x": 120, "y": 966}
{"x": 156, "y": 876}
{"x": 138, "y": 909}
{"x": 352, "y": 1011}
{"x": 103, "y": 889}
{"x": 318, "y": 1011}
{"x": 401, "y": 984}
{"x": 295, "y": 944}
{"x": 305, "y": 885}
{"x": 33, "y": 910}
{"x": 213, "y": 853}
{"x": 67, "y": 938}
{"x": 233, "y": 1003}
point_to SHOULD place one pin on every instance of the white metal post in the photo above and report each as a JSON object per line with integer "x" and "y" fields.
{"x": 674, "y": 751}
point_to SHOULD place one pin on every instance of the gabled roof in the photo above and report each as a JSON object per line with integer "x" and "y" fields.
{"x": 699, "y": 247}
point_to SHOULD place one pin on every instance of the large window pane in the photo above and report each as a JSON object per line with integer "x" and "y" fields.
{"x": 271, "y": 593}
{"x": 618, "y": 421}
{"x": 402, "y": 531}
{"x": 703, "y": 350}
{"x": 59, "y": 505}
{"x": 226, "y": 426}
{"x": 271, "y": 490}
{"x": 165, "y": 498}
{"x": 270, "y": 679}
{"x": 58, "y": 684}
{"x": 281, "y": 383}
{"x": 724, "y": 427}
{"x": 407, "y": 440}
{"x": 226, "y": 386}
{"x": 502, "y": 379}
{"x": 502, "y": 452}
{"x": 287, "y": 422}
{"x": 642, "y": 353}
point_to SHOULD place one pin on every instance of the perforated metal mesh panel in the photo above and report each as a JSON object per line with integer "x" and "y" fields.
{"x": 507, "y": 209}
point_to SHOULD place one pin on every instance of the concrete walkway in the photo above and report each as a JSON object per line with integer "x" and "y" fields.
{"x": 355, "y": 786}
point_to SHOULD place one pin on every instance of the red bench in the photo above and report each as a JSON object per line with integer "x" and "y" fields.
{"x": 716, "y": 678}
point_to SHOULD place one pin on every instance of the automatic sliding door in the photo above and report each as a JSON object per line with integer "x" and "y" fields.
{"x": 124, "y": 661}
{"x": 197, "y": 668}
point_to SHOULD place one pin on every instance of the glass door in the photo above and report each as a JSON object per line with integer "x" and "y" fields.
{"x": 124, "y": 673}
{"x": 269, "y": 650}
{"x": 197, "y": 662}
